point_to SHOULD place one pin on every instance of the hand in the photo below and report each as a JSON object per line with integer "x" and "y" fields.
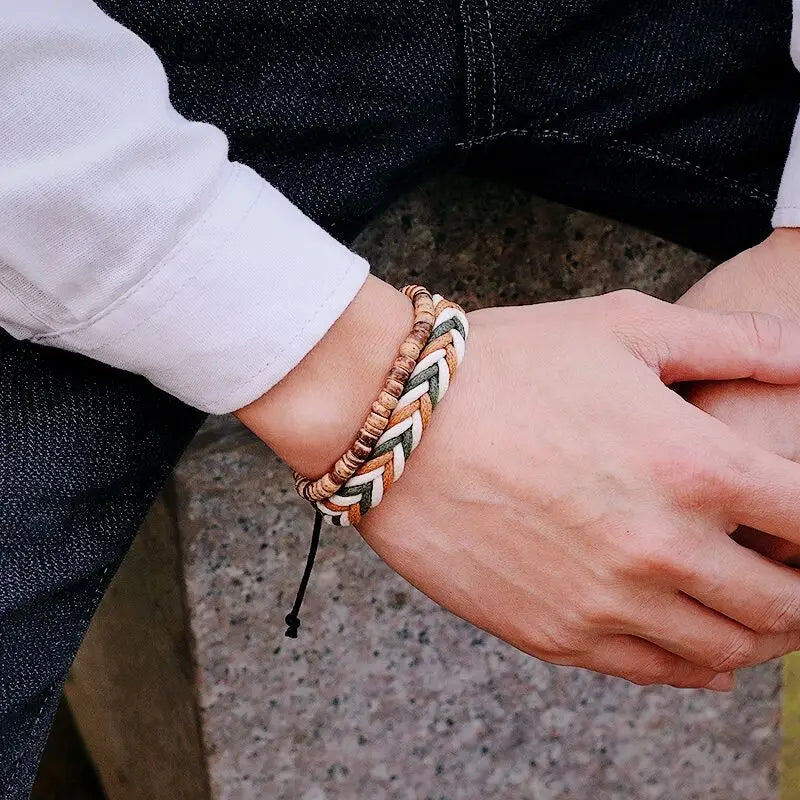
{"x": 563, "y": 498}
{"x": 566, "y": 501}
{"x": 765, "y": 278}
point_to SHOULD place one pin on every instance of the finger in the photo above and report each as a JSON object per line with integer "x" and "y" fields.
{"x": 646, "y": 664}
{"x": 752, "y": 409}
{"x": 686, "y": 344}
{"x": 762, "y": 491}
{"x": 706, "y": 638}
{"x": 760, "y": 594}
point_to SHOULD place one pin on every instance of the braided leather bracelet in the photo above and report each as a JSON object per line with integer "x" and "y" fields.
{"x": 378, "y": 419}
{"x": 426, "y": 386}
{"x": 358, "y": 482}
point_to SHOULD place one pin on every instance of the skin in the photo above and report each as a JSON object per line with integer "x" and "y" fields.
{"x": 564, "y": 498}
{"x": 765, "y": 278}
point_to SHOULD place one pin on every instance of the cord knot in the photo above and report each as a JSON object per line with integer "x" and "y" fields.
{"x": 293, "y": 623}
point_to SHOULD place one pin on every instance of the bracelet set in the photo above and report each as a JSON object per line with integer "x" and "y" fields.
{"x": 416, "y": 382}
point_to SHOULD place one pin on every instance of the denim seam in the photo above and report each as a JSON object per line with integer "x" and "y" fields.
{"x": 634, "y": 149}
{"x": 493, "y": 136}
{"x": 664, "y": 158}
{"x": 26, "y": 747}
{"x": 469, "y": 51}
{"x": 494, "y": 67}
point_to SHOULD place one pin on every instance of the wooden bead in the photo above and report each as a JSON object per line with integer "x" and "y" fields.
{"x": 406, "y": 363}
{"x": 377, "y": 421}
{"x": 388, "y": 401}
{"x": 410, "y": 350}
{"x": 361, "y": 451}
{"x": 399, "y": 374}
{"x": 394, "y": 385}
{"x": 368, "y": 439}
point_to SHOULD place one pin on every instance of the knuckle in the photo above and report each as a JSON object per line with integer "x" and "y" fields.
{"x": 736, "y": 654}
{"x": 663, "y": 553}
{"x": 782, "y": 615}
{"x": 562, "y": 645}
{"x": 764, "y": 332}
{"x": 693, "y": 476}
{"x": 642, "y": 554}
{"x": 628, "y": 299}
{"x": 602, "y": 611}
{"x": 656, "y": 670}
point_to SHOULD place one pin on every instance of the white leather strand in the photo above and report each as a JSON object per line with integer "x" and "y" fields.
{"x": 366, "y": 488}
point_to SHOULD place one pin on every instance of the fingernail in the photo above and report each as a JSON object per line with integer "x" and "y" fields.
{"x": 725, "y": 682}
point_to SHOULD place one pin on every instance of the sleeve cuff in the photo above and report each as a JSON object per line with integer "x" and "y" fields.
{"x": 238, "y": 302}
{"x": 787, "y": 211}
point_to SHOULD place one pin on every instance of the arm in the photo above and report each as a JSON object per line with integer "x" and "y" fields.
{"x": 128, "y": 235}
{"x": 765, "y": 278}
{"x": 537, "y": 507}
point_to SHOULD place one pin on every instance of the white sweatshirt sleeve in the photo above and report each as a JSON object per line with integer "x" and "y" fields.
{"x": 787, "y": 212}
{"x": 126, "y": 234}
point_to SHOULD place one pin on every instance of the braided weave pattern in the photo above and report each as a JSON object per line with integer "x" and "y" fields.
{"x": 426, "y": 386}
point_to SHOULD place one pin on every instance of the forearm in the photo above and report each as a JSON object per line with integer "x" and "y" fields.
{"x": 312, "y": 416}
{"x": 127, "y": 234}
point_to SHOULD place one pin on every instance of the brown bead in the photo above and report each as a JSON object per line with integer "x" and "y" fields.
{"x": 376, "y": 421}
{"x": 424, "y": 316}
{"x": 388, "y": 401}
{"x": 360, "y": 450}
{"x": 380, "y": 410}
{"x": 368, "y": 439}
{"x": 395, "y": 386}
{"x": 399, "y": 374}
{"x": 341, "y": 471}
{"x": 329, "y": 485}
{"x": 406, "y": 363}
{"x": 409, "y": 350}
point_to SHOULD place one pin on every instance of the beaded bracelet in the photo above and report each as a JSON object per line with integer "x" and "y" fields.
{"x": 418, "y": 380}
{"x": 426, "y": 386}
{"x": 382, "y": 408}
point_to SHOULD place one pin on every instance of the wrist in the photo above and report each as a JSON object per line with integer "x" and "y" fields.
{"x": 765, "y": 278}
{"x": 312, "y": 416}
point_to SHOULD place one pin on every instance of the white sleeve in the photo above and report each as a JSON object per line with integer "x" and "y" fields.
{"x": 126, "y": 234}
{"x": 787, "y": 212}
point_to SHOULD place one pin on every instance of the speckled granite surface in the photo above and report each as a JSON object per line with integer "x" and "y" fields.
{"x": 384, "y": 695}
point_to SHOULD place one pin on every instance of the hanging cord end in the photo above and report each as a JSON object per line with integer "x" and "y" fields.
{"x": 293, "y": 623}
{"x": 293, "y": 617}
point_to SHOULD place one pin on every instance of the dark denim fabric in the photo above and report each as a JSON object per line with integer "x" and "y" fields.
{"x": 676, "y": 116}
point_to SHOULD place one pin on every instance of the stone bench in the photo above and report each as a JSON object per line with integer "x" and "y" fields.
{"x": 186, "y": 687}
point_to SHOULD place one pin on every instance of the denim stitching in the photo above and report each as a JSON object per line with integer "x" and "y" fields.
{"x": 664, "y": 158}
{"x": 18, "y": 763}
{"x": 634, "y": 149}
{"x": 492, "y": 137}
{"x": 494, "y": 67}
{"x": 469, "y": 49}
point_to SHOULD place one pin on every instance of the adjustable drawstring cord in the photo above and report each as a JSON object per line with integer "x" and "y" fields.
{"x": 292, "y": 618}
{"x": 417, "y": 381}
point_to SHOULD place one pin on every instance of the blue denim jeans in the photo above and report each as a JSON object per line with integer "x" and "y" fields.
{"x": 673, "y": 116}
